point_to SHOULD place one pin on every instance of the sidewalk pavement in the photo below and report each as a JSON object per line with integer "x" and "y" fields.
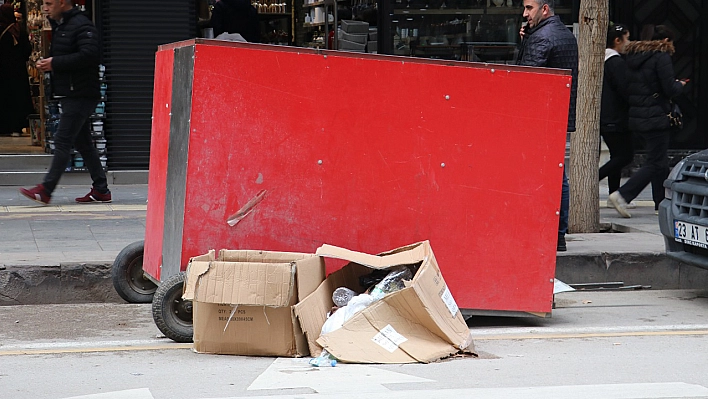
{"x": 62, "y": 253}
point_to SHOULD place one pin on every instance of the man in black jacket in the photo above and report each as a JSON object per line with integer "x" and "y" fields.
{"x": 546, "y": 42}
{"x": 73, "y": 64}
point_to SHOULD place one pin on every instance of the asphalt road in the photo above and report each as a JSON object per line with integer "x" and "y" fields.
{"x": 636, "y": 344}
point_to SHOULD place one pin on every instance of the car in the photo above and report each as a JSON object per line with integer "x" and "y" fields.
{"x": 683, "y": 214}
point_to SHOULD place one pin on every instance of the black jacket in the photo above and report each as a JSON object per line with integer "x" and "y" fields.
{"x": 236, "y": 16}
{"x": 651, "y": 84}
{"x": 552, "y": 45}
{"x": 613, "y": 111}
{"x": 75, "y": 56}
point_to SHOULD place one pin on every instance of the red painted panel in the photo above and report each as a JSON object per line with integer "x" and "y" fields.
{"x": 462, "y": 154}
{"x": 159, "y": 145}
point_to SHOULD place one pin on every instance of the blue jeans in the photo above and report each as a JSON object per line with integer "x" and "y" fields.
{"x": 74, "y": 130}
{"x": 565, "y": 206}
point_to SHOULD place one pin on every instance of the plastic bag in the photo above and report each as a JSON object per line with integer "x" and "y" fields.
{"x": 338, "y": 318}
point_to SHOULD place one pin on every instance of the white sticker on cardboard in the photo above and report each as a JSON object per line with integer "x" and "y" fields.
{"x": 389, "y": 339}
{"x": 384, "y": 342}
{"x": 446, "y": 296}
{"x": 393, "y": 335}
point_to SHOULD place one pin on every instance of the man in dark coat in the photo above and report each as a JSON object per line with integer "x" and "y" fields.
{"x": 236, "y": 16}
{"x": 546, "y": 42}
{"x": 652, "y": 84}
{"x": 73, "y": 64}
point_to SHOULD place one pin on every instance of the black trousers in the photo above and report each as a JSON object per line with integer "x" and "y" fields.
{"x": 654, "y": 170}
{"x": 75, "y": 130}
{"x": 621, "y": 155}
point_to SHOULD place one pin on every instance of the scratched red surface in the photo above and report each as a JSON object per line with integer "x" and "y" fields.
{"x": 372, "y": 153}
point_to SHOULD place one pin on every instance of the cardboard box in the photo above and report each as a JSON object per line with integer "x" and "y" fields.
{"x": 242, "y": 301}
{"x": 420, "y": 323}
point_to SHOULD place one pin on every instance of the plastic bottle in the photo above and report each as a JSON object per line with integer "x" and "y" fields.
{"x": 342, "y": 295}
{"x": 325, "y": 359}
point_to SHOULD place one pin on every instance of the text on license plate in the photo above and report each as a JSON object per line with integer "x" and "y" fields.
{"x": 691, "y": 234}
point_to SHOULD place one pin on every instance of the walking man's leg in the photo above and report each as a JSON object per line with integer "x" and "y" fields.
{"x": 75, "y": 112}
{"x": 84, "y": 145}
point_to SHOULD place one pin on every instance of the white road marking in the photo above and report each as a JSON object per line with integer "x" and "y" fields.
{"x": 607, "y": 391}
{"x": 142, "y": 393}
{"x": 343, "y": 379}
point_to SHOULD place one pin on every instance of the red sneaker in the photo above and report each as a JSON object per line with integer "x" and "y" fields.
{"x": 94, "y": 196}
{"x": 37, "y": 194}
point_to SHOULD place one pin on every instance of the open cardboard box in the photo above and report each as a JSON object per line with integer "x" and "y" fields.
{"x": 420, "y": 323}
{"x": 242, "y": 301}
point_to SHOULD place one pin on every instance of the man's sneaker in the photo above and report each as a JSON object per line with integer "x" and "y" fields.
{"x": 618, "y": 202}
{"x": 37, "y": 194}
{"x": 561, "y": 244}
{"x": 94, "y": 196}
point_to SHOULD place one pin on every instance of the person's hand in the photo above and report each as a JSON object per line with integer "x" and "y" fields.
{"x": 522, "y": 32}
{"x": 684, "y": 81}
{"x": 45, "y": 64}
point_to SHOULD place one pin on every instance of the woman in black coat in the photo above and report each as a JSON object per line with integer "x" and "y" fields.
{"x": 15, "y": 97}
{"x": 614, "y": 107}
{"x": 652, "y": 84}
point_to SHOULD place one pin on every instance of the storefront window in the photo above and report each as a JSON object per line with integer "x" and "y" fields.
{"x": 463, "y": 30}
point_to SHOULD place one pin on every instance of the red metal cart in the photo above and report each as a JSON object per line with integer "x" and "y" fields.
{"x": 297, "y": 147}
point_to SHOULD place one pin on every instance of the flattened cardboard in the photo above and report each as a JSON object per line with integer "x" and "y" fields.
{"x": 243, "y": 301}
{"x": 422, "y": 317}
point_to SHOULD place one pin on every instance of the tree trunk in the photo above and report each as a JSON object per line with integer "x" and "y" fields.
{"x": 585, "y": 142}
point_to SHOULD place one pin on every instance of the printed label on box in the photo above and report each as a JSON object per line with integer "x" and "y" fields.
{"x": 389, "y": 339}
{"x": 446, "y": 296}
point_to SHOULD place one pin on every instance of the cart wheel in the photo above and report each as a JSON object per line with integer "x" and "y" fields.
{"x": 128, "y": 277}
{"x": 172, "y": 314}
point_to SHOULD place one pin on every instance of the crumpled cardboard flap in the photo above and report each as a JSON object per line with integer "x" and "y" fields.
{"x": 241, "y": 283}
{"x": 197, "y": 266}
{"x": 254, "y": 256}
{"x": 403, "y": 256}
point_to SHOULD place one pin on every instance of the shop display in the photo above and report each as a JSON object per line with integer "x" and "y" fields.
{"x": 275, "y": 19}
{"x": 274, "y": 16}
{"x": 462, "y": 30}
{"x": 53, "y": 112}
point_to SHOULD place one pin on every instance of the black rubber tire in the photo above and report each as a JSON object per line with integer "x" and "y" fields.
{"x": 171, "y": 313}
{"x": 128, "y": 277}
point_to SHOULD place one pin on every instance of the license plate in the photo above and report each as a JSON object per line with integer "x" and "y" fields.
{"x": 691, "y": 234}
